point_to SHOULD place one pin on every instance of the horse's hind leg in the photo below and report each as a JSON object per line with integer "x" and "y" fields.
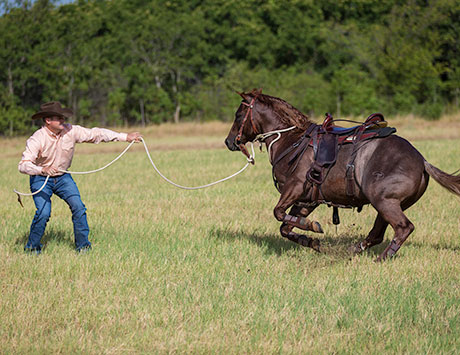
{"x": 374, "y": 237}
{"x": 286, "y": 228}
{"x": 392, "y": 213}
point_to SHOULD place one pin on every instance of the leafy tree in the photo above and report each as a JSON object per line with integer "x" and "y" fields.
{"x": 151, "y": 61}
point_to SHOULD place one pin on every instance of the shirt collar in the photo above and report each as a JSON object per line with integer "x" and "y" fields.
{"x": 54, "y": 135}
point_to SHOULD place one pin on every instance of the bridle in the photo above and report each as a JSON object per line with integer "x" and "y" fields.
{"x": 240, "y": 133}
{"x": 260, "y": 137}
{"x": 248, "y": 114}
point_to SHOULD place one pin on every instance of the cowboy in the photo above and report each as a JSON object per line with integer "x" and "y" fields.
{"x": 49, "y": 152}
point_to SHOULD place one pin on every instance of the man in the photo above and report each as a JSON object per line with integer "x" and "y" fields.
{"x": 49, "y": 152}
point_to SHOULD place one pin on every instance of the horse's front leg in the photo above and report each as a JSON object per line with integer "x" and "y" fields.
{"x": 286, "y": 228}
{"x": 291, "y": 192}
{"x": 297, "y": 217}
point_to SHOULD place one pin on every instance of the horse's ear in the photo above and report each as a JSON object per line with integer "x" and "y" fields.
{"x": 245, "y": 96}
{"x": 240, "y": 93}
{"x": 256, "y": 92}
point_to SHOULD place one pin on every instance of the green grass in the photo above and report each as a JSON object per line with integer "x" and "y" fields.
{"x": 207, "y": 271}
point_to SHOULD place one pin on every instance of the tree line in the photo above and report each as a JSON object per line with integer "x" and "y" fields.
{"x": 151, "y": 61}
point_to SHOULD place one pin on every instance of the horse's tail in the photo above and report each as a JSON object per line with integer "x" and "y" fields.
{"x": 448, "y": 181}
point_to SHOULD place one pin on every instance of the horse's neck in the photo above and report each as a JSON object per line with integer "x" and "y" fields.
{"x": 285, "y": 141}
{"x": 271, "y": 124}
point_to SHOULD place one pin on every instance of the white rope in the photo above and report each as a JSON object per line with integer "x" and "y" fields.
{"x": 72, "y": 172}
{"x": 202, "y": 186}
{"x": 261, "y": 137}
{"x": 154, "y": 166}
{"x": 33, "y": 193}
{"x": 105, "y": 166}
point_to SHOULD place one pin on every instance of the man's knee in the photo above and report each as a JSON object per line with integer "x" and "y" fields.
{"x": 44, "y": 212}
{"x": 76, "y": 205}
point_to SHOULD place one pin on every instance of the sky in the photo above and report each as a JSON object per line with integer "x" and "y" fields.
{"x": 15, "y": 2}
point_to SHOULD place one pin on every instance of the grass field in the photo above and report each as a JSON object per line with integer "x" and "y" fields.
{"x": 207, "y": 271}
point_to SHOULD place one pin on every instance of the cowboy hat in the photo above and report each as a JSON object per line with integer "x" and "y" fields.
{"x": 52, "y": 108}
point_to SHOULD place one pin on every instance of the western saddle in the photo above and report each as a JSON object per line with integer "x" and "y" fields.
{"x": 326, "y": 140}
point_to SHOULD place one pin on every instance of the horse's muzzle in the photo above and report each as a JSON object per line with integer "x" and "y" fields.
{"x": 231, "y": 144}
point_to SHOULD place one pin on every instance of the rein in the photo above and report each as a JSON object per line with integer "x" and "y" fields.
{"x": 250, "y": 160}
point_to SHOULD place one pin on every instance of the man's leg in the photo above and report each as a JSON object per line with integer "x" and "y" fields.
{"x": 68, "y": 191}
{"x": 42, "y": 202}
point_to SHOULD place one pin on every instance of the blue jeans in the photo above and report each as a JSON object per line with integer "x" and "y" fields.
{"x": 63, "y": 186}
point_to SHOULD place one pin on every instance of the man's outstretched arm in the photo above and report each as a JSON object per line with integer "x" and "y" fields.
{"x": 133, "y": 136}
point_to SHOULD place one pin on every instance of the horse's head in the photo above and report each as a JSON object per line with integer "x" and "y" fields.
{"x": 260, "y": 113}
{"x": 244, "y": 128}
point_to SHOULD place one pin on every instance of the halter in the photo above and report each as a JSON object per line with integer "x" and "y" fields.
{"x": 248, "y": 114}
{"x": 260, "y": 137}
{"x": 240, "y": 133}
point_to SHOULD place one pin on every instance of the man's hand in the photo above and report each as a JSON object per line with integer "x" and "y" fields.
{"x": 134, "y": 136}
{"x": 50, "y": 170}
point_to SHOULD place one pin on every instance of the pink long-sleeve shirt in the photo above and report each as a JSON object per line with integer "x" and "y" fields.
{"x": 44, "y": 148}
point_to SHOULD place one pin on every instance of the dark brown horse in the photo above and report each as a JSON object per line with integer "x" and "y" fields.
{"x": 389, "y": 173}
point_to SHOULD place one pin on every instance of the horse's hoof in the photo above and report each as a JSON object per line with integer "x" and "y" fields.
{"x": 316, "y": 227}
